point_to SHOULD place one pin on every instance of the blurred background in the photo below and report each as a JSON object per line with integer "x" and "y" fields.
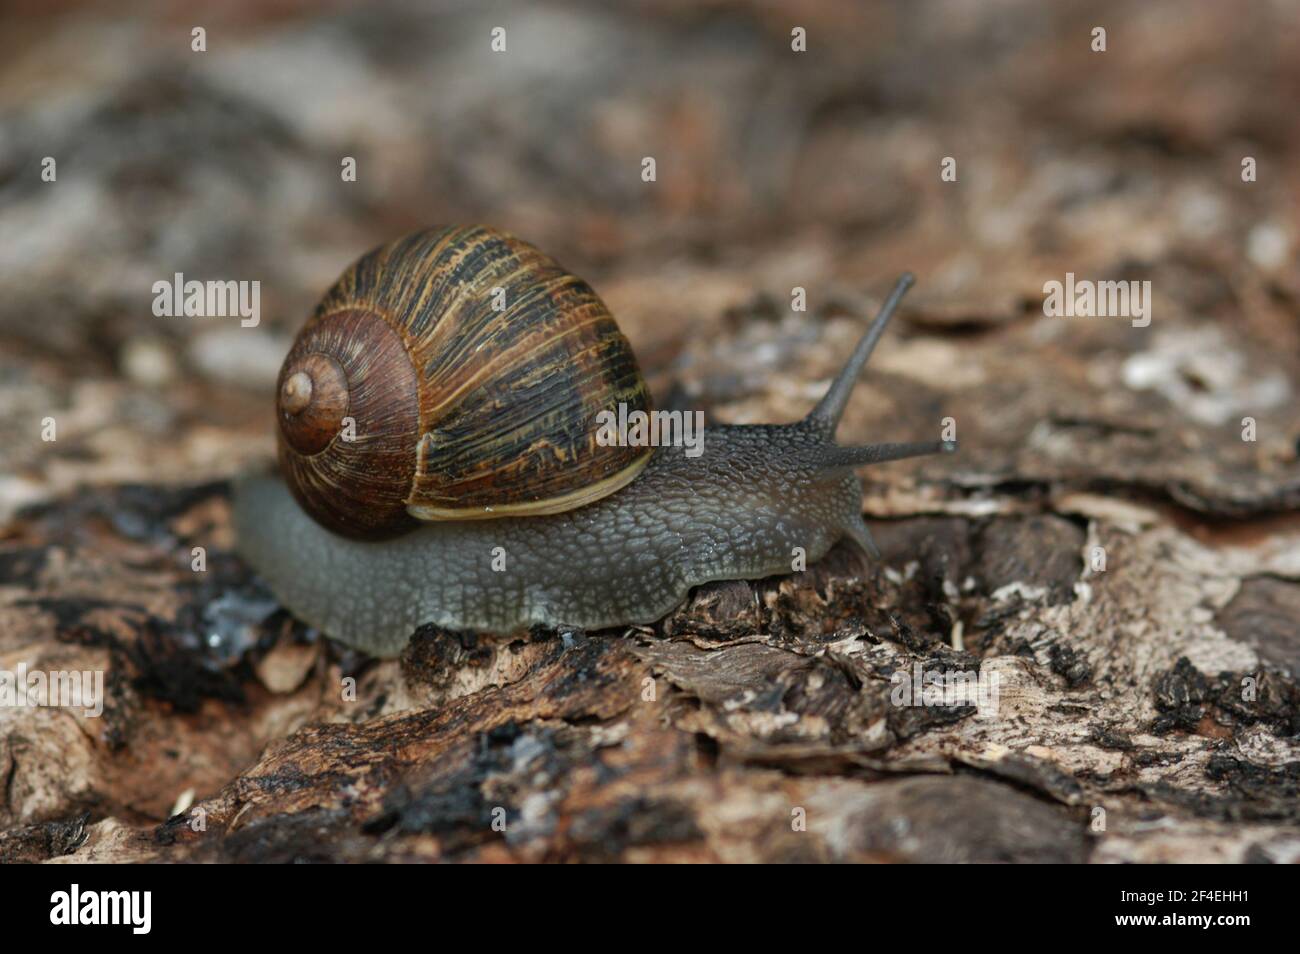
{"x": 775, "y": 169}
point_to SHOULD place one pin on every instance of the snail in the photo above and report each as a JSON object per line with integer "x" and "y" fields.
{"x": 440, "y": 462}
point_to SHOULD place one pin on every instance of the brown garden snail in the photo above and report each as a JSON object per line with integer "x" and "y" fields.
{"x": 436, "y": 432}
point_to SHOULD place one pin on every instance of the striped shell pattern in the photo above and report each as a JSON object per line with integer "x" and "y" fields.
{"x": 454, "y": 374}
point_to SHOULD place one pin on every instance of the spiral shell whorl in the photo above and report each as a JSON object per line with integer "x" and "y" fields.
{"x": 506, "y": 359}
{"x": 354, "y": 478}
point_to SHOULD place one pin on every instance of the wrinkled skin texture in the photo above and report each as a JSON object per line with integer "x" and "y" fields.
{"x": 735, "y": 512}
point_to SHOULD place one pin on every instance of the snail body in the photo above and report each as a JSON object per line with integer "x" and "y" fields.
{"x": 659, "y": 523}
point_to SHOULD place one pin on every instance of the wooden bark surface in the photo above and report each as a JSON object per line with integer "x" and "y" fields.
{"x": 1148, "y": 711}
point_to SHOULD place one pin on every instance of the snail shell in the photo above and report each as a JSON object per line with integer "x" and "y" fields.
{"x": 454, "y": 374}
